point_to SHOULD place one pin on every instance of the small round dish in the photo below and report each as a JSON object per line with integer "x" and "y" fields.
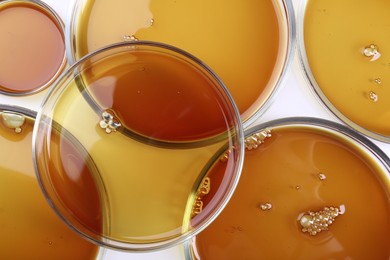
{"x": 29, "y": 227}
{"x": 32, "y": 47}
{"x": 147, "y": 119}
{"x": 345, "y": 56}
{"x": 248, "y": 45}
{"x": 309, "y": 189}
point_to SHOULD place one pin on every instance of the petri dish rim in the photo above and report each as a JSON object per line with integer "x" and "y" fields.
{"x": 107, "y": 242}
{"x": 52, "y": 14}
{"x": 315, "y": 87}
{"x": 31, "y": 115}
{"x": 287, "y": 33}
{"x": 349, "y": 136}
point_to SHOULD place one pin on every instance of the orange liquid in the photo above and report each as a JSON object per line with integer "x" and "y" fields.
{"x": 176, "y": 119}
{"x": 159, "y": 97}
{"x": 284, "y": 172}
{"x": 244, "y": 43}
{"x": 336, "y": 33}
{"x": 30, "y": 229}
{"x": 31, "y": 48}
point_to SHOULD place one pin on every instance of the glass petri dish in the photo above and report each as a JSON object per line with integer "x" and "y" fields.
{"x": 29, "y": 227}
{"x": 147, "y": 119}
{"x": 248, "y": 45}
{"x": 347, "y": 63}
{"x": 32, "y": 48}
{"x": 309, "y": 189}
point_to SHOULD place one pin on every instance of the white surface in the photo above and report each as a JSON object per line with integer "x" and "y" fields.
{"x": 293, "y": 99}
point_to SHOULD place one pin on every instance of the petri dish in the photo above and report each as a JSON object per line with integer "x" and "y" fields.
{"x": 30, "y": 228}
{"x": 148, "y": 119}
{"x": 248, "y": 45}
{"x": 309, "y": 189}
{"x": 32, "y": 48}
{"x": 347, "y": 63}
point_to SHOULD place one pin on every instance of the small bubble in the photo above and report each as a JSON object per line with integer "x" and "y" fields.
{"x": 373, "y": 96}
{"x": 151, "y": 21}
{"x": 371, "y": 51}
{"x": 322, "y": 176}
{"x": 298, "y": 187}
{"x": 265, "y": 206}
{"x": 378, "y": 81}
{"x": 50, "y": 243}
{"x": 129, "y": 38}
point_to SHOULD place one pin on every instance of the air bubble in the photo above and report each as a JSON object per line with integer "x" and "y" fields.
{"x": 371, "y": 51}
{"x": 373, "y": 96}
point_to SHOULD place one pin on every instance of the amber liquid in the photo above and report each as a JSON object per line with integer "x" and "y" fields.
{"x": 244, "y": 43}
{"x": 336, "y": 32}
{"x": 31, "y": 48}
{"x": 146, "y": 181}
{"x": 284, "y": 172}
{"x": 29, "y": 227}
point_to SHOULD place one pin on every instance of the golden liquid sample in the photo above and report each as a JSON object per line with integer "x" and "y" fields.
{"x": 29, "y": 227}
{"x": 244, "y": 43}
{"x": 268, "y": 217}
{"x": 31, "y": 48}
{"x": 348, "y": 54}
{"x": 150, "y": 124}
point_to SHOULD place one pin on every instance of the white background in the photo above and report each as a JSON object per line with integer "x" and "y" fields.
{"x": 294, "y": 98}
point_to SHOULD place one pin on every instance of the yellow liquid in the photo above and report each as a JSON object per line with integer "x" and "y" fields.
{"x": 284, "y": 171}
{"x": 29, "y": 227}
{"x": 147, "y": 188}
{"x": 336, "y": 32}
{"x": 243, "y": 42}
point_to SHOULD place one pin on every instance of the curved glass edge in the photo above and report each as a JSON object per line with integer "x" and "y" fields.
{"x": 314, "y": 86}
{"x": 239, "y": 146}
{"x": 183, "y": 145}
{"x": 314, "y": 123}
{"x": 287, "y": 9}
{"x": 51, "y": 12}
{"x": 71, "y": 20}
{"x": 32, "y": 115}
{"x": 286, "y": 20}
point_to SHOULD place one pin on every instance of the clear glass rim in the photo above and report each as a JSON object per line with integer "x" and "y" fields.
{"x": 288, "y": 13}
{"x": 315, "y": 87}
{"x": 31, "y": 114}
{"x": 57, "y": 19}
{"x": 287, "y": 30}
{"x": 313, "y": 123}
{"x": 239, "y": 147}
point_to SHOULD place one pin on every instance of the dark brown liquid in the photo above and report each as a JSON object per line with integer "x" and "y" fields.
{"x": 71, "y": 175}
{"x": 284, "y": 172}
{"x": 245, "y": 43}
{"x": 146, "y": 187}
{"x": 29, "y": 227}
{"x": 160, "y": 97}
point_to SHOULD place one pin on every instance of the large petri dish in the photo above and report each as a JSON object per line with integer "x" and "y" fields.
{"x": 148, "y": 119}
{"x": 248, "y": 44}
{"x": 32, "y": 47}
{"x": 30, "y": 229}
{"x": 309, "y": 189}
{"x": 344, "y": 51}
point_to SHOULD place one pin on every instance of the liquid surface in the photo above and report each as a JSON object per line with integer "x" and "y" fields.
{"x": 30, "y": 229}
{"x": 149, "y": 171}
{"x": 31, "y": 48}
{"x": 336, "y": 36}
{"x": 244, "y": 43}
{"x": 296, "y": 171}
